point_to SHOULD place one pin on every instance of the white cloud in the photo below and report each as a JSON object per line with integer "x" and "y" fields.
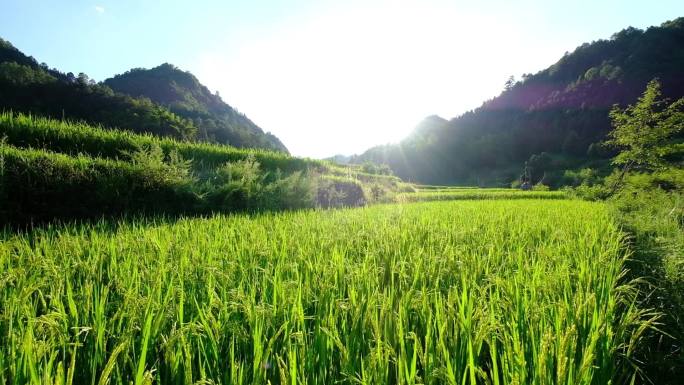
{"x": 99, "y": 9}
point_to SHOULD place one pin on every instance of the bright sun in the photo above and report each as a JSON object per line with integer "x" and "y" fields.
{"x": 351, "y": 78}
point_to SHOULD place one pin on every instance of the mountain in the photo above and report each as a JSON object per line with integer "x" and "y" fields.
{"x": 29, "y": 87}
{"x": 184, "y": 95}
{"x": 553, "y": 120}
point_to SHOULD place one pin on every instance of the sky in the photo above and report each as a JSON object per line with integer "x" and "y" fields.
{"x": 326, "y": 77}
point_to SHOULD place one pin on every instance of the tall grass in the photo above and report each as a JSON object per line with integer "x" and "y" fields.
{"x": 430, "y": 293}
{"x": 654, "y": 219}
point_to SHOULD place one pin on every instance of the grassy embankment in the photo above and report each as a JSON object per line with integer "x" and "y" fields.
{"x": 62, "y": 170}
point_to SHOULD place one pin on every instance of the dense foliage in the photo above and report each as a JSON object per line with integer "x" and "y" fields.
{"x": 651, "y": 208}
{"x": 560, "y": 114}
{"x": 430, "y": 293}
{"x": 644, "y": 132}
{"x": 36, "y": 186}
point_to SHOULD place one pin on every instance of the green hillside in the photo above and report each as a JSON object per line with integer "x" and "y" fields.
{"x": 183, "y": 94}
{"x": 554, "y": 120}
{"x": 29, "y": 87}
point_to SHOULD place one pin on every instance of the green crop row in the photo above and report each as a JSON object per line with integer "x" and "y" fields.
{"x": 475, "y": 194}
{"x": 435, "y": 187}
{"x": 432, "y": 188}
{"x": 428, "y": 293}
{"x": 71, "y": 138}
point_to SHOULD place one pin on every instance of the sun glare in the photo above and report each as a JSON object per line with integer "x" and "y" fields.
{"x": 352, "y": 78}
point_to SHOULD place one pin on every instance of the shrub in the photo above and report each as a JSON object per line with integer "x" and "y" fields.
{"x": 243, "y": 185}
{"x": 340, "y": 192}
{"x": 295, "y": 191}
{"x": 111, "y": 172}
{"x": 586, "y": 176}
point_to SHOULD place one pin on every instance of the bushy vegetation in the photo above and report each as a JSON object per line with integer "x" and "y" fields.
{"x": 431, "y": 293}
{"x": 339, "y": 191}
{"x": 655, "y": 220}
{"x": 378, "y": 169}
{"x": 37, "y": 186}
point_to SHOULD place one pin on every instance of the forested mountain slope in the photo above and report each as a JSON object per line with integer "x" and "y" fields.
{"x": 183, "y": 94}
{"x": 29, "y": 87}
{"x": 553, "y": 119}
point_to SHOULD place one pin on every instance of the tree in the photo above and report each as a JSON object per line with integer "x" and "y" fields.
{"x": 21, "y": 75}
{"x": 572, "y": 144}
{"x": 83, "y": 79}
{"x": 643, "y": 131}
{"x": 509, "y": 83}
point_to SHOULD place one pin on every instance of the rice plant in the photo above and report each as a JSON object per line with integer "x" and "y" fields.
{"x": 467, "y": 292}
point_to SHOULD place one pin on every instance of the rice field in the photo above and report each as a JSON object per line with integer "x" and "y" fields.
{"x": 453, "y": 292}
{"x": 434, "y": 188}
{"x": 423, "y": 195}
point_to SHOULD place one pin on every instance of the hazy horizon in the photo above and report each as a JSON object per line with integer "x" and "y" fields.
{"x": 326, "y": 78}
